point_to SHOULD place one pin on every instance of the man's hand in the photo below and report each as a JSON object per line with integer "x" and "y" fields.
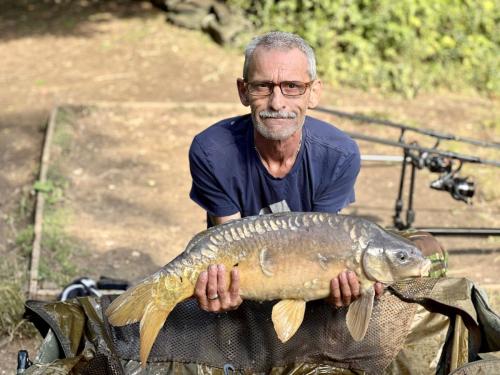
{"x": 211, "y": 292}
{"x": 345, "y": 288}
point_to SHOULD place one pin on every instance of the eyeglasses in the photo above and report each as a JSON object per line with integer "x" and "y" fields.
{"x": 288, "y": 88}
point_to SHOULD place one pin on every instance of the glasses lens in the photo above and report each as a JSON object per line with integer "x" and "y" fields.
{"x": 288, "y": 88}
{"x": 292, "y": 88}
{"x": 260, "y": 88}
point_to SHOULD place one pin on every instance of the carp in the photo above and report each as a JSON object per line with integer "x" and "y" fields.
{"x": 289, "y": 257}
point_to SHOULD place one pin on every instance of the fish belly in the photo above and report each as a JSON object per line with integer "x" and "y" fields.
{"x": 256, "y": 285}
{"x": 273, "y": 273}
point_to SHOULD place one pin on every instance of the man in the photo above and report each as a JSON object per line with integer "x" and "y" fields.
{"x": 274, "y": 158}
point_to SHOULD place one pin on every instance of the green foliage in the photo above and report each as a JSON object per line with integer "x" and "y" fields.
{"x": 53, "y": 187}
{"x": 24, "y": 240}
{"x": 404, "y": 45}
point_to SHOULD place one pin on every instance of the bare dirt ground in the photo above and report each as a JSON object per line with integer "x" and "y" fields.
{"x": 133, "y": 160}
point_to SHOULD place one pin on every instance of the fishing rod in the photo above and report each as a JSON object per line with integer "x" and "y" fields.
{"x": 403, "y": 127}
{"x": 448, "y": 164}
{"x": 430, "y": 150}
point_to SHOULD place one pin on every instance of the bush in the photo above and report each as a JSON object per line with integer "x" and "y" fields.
{"x": 404, "y": 45}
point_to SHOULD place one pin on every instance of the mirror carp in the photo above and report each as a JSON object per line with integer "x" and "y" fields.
{"x": 289, "y": 257}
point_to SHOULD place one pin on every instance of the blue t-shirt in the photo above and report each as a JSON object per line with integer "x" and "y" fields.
{"x": 229, "y": 177}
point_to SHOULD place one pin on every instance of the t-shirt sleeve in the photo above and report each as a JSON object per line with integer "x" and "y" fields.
{"x": 206, "y": 189}
{"x": 338, "y": 192}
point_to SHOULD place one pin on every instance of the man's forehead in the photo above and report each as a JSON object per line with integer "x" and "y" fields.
{"x": 283, "y": 60}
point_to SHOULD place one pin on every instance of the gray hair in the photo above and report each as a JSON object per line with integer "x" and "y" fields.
{"x": 282, "y": 41}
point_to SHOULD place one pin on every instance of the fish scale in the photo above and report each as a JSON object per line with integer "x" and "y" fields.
{"x": 290, "y": 257}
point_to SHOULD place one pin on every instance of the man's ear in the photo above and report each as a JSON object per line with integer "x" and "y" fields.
{"x": 242, "y": 92}
{"x": 315, "y": 95}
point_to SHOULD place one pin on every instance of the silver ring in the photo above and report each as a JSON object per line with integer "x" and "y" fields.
{"x": 213, "y": 298}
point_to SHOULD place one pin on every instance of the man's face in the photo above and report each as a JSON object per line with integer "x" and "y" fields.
{"x": 276, "y": 116}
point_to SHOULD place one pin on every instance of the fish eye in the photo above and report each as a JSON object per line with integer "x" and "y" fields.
{"x": 401, "y": 256}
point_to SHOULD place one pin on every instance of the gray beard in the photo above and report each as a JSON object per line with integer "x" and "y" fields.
{"x": 279, "y": 135}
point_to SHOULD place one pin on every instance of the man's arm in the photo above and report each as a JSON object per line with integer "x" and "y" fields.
{"x": 216, "y": 220}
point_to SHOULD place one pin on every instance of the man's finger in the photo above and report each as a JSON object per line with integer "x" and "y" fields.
{"x": 345, "y": 289}
{"x": 224, "y": 297}
{"x": 335, "y": 292}
{"x": 379, "y": 289}
{"x": 234, "y": 289}
{"x": 200, "y": 290}
{"x": 212, "y": 284}
{"x": 353, "y": 284}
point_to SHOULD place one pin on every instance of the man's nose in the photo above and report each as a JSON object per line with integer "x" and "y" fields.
{"x": 276, "y": 99}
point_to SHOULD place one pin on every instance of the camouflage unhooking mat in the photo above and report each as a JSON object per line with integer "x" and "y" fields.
{"x": 424, "y": 326}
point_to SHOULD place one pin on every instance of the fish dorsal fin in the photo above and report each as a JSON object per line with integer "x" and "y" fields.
{"x": 287, "y": 317}
{"x": 359, "y": 314}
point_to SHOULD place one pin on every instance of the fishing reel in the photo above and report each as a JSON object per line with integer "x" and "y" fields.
{"x": 460, "y": 188}
{"x": 438, "y": 164}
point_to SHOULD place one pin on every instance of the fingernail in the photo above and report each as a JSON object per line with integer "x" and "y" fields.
{"x": 203, "y": 275}
{"x": 212, "y": 267}
{"x": 221, "y": 267}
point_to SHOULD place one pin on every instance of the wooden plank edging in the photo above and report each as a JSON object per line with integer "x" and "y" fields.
{"x": 40, "y": 201}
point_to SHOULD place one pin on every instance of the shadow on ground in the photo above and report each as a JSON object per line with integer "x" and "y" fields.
{"x": 63, "y": 18}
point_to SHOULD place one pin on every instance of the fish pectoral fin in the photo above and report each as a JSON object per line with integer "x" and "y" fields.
{"x": 287, "y": 317}
{"x": 359, "y": 314}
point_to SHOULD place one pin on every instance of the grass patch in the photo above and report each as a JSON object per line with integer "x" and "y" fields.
{"x": 57, "y": 247}
{"x": 12, "y": 281}
{"x": 56, "y": 265}
{"x": 24, "y": 240}
{"x": 13, "y": 270}
{"x": 62, "y": 133}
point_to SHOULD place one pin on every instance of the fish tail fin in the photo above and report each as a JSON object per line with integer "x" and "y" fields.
{"x": 151, "y": 324}
{"x": 129, "y": 306}
{"x": 149, "y": 303}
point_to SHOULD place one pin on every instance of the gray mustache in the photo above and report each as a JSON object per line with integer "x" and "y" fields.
{"x": 277, "y": 114}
